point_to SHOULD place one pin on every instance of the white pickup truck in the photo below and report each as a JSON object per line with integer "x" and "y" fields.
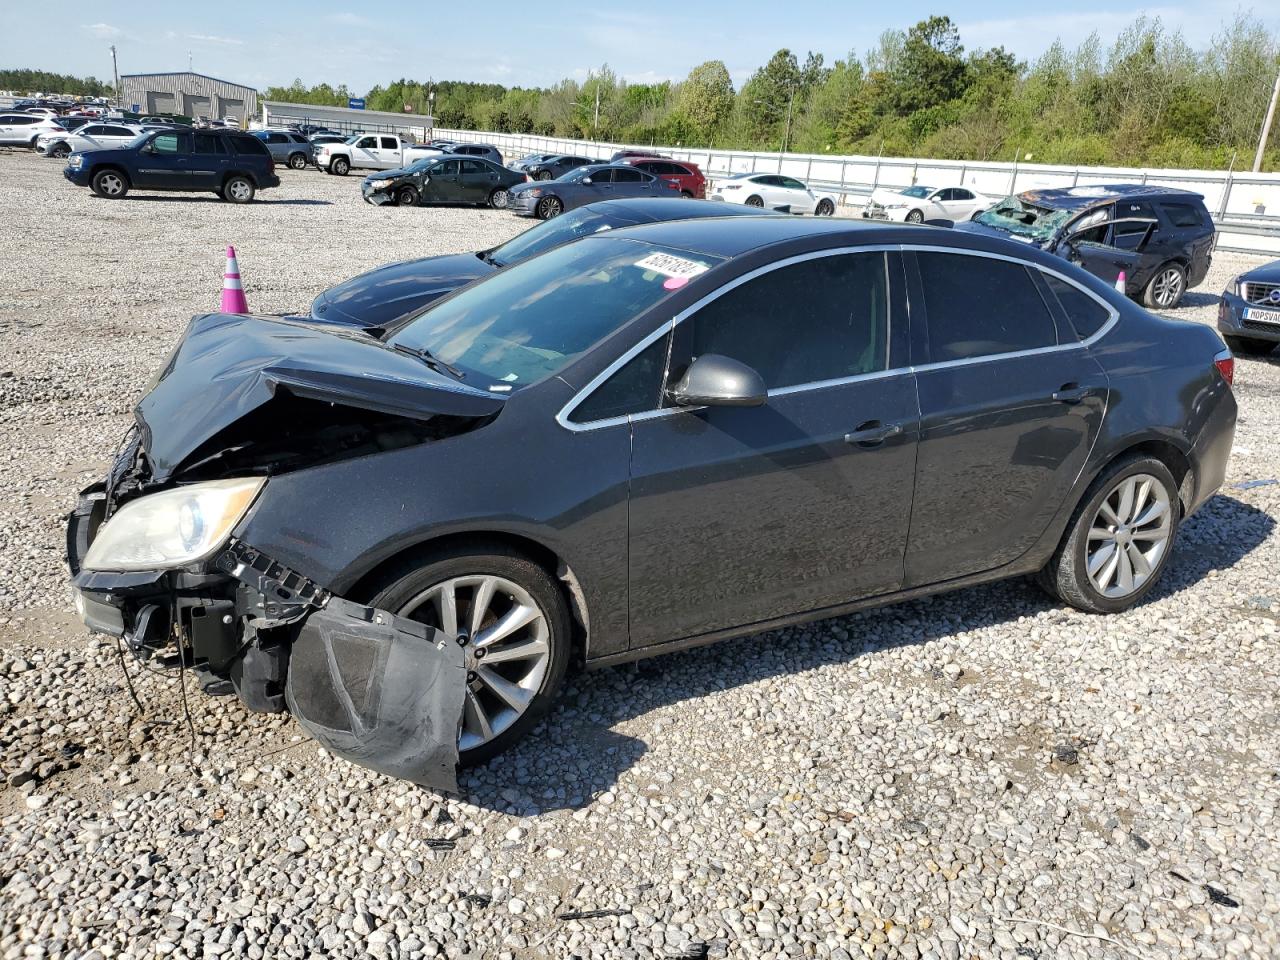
{"x": 370, "y": 151}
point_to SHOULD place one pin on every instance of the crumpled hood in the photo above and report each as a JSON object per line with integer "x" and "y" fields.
{"x": 395, "y": 174}
{"x": 884, "y": 197}
{"x": 379, "y": 296}
{"x": 229, "y": 365}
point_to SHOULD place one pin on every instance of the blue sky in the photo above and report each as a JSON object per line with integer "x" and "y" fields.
{"x": 261, "y": 44}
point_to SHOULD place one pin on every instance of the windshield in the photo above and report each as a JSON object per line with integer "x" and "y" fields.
{"x": 552, "y": 233}
{"x": 419, "y": 165}
{"x": 1023, "y": 219}
{"x": 528, "y": 322}
{"x": 916, "y": 191}
{"x": 353, "y": 138}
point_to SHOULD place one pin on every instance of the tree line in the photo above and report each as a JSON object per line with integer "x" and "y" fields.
{"x": 1147, "y": 99}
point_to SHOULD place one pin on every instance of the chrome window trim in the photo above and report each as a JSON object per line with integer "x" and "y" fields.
{"x": 578, "y": 398}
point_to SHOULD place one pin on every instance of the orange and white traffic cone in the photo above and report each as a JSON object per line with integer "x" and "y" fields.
{"x": 1120, "y": 282}
{"x": 233, "y": 300}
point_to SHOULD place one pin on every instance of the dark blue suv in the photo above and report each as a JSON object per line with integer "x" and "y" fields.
{"x": 231, "y": 164}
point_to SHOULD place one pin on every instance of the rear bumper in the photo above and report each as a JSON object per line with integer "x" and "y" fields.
{"x": 268, "y": 180}
{"x": 1212, "y": 450}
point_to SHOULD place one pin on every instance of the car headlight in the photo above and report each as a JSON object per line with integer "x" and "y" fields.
{"x": 895, "y": 206}
{"x": 173, "y": 528}
{"x": 379, "y": 184}
{"x": 535, "y": 192}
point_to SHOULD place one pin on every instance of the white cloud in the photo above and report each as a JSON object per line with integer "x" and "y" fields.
{"x": 348, "y": 19}
{"x": 103, "y": 31}
{"x": 209, "y": 38}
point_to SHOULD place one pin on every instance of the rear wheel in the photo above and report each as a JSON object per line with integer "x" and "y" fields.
{"x": 1166, "y": 288}
{"x": 544, "y": 175}
{"x": 825, "y": 208}
{"x": 340, "y": 166}
{"x": 1120, "y": 538}
{"x": 297, "y": 160}
{"x": 549, "y": 207}
{"x": 1245, "y": 345}
{"x": 238, "y": 189}
{"x": 407, "y": 197}
{"x": 754, "y": 201}
{"x": 111, "y": 184}
{"x": 500, "y": 199}
{"x": 510, "y": 618}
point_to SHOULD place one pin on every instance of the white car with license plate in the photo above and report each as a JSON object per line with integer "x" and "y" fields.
{"x": 773, "y": 191}
{"x": 918, "y": 203}
{"x": 91, "y": 136}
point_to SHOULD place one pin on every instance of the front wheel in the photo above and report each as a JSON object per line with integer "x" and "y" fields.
{"x": 511, "y": 620}
{"x": 549, "y": 207}
{"x": 1165, "y": 289}
{"x": 825, "y": 208}
{"x": 340, "y": 166}
{"x": 61, "y": 151}
{"x": 110, "y": 184}
{"x": 915, "y": 216}
{"x": 1245, "y": 345}
{"x": 407, "y": 197}
{"x": 297, "y": 161}
{"x": 1119, "y": 540}
{"x": 500, "y": 199}
{"x": 238, "y": 190}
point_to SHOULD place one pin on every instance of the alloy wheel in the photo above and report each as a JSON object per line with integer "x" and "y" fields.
{"x": 500, "y": 199}
{"x": 240, "y": 190}
{"x": 1129, "y": 536}
{"x": 550, "y": 207}
{"x": 112, "y": 185}
{"x": 506, "y": 641}
{"x": 1168, "y": 287}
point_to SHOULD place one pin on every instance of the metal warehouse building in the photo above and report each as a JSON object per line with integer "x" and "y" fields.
{"x": 188, "y": 94}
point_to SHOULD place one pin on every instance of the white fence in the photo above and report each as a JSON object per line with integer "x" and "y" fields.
{"x": 1246, "y": 206}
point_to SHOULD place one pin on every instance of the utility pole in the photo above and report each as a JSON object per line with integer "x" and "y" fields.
{"x": 116, "y": 71}
{"x": 595, "y": 125}
{"x": 1266, "y": 126}
{"x": 786, "y": 136}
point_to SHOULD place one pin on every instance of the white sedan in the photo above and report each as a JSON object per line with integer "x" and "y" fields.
{"x": 918, "y": 204}
{"x": 774, "y": 191}
{"x": 92, "y": 136}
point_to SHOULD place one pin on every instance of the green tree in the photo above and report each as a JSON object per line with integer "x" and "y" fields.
{"x": 705, "y": 101}
{"x": 930, "y": 69}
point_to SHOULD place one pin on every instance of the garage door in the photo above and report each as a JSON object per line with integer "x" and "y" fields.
{"x": 228, "y": 107}
{"x": 162, "y": 103}
{"x": 194, "y": 106}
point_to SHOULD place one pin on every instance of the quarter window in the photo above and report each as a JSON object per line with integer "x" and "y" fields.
{"x": 472, "y": 166}
{"x": 1183, "y": 215}
{"x": 635, "y": 388}
{"x": 980, "y": 306}
{"x": 820, "y": 319}
{"x": 1086, "y": 314}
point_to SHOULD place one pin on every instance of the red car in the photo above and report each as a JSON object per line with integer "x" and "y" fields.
{"x": 685, "y": 175}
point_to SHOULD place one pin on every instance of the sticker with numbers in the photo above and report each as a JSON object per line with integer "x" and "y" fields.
{"x": 671, "y": 266}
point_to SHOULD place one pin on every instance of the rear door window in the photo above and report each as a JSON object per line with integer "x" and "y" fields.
{"x": 628, "y": 176}
{"x": 472, "y": 166}
{"x": 821, "y": 319}
{"x": 389, "y": 143}
{"x": 207, "y": 143}
{"x": 981, "y": 307}
{"x": 1128, "y": 234}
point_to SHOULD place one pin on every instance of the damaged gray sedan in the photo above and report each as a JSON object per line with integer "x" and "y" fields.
{"x": 646, "y": 439}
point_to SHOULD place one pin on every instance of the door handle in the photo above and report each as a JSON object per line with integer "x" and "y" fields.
{"x": 1071, "y": 393}
{"x": 872, "y": 433}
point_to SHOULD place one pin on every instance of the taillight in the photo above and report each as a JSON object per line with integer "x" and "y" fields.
{"x": 1226, "y": 365}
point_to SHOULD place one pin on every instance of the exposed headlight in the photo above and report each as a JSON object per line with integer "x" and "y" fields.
{"x": 895, "y": 206}
{"x": 379, "y": 184}
{"x": 77, "y": 160}
{"x": 173, "y": 528}
{"x": 535, "y": 192}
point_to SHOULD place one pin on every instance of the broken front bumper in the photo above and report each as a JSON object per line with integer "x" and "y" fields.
{"x": 376, "y": 689}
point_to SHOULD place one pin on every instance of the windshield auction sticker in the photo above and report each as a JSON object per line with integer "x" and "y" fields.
{"x": 672, "y": 266}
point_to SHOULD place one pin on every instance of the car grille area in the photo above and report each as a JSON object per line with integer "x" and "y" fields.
{"x": 1261, "y": 293}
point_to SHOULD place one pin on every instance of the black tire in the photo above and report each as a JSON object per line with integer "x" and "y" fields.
{"x": 549, "y": 208}
{"x": 60, "y": 151}
{"x": 1165, "y": 288}
{"x": 544, "y": 175}
{"x": 825, "y": 208}
{"x": 915, "y": 216}
{"x": 340, "y": 166}
{"x": 754, "y": 201}
{"x": 238, "y": 189}
{"x": 417, "y": 574}
{"x": 500, "y": 198}
{"x": 32, "y": 144}
{"x": 1242, "y": 346}
{"x": 687, "y": 194}
{"x": 297, "y": 161}
{"x": 1065, "y": 575}
{"x": 110, "y": 184}
{"x": 406, "y": 196}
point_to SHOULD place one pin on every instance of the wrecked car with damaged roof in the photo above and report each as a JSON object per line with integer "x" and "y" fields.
{"x": 649, "y": 438}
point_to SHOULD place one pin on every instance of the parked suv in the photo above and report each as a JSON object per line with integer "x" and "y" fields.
{"x": 232, "y": 164}
{"x": 291, "y": 148}
{"x": 24, "y": 129}
{"x": 91, "y": 136}
{"x": 1161, "y": 237}
{"x": 485, "y": 151}
{"x": 684, "y": 175}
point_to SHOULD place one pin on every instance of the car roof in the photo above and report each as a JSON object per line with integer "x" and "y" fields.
{"x": 654, "y": 209}
{"x": 1083, "y": 197}
{"x": 731, "y": 237}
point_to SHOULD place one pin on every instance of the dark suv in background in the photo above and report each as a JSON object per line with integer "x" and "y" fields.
{"x": 1161, "y": 237}
{"x": 232, "y": 164}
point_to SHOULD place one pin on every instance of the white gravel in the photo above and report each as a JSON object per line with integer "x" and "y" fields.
{"x": 967, "y": 776}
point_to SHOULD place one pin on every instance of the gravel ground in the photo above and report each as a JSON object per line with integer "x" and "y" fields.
{"x": 983, "y": 774}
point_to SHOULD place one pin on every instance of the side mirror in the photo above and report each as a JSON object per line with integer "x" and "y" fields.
{"x": 713, "y": 380}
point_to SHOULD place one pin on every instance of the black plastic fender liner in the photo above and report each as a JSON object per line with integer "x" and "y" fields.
{"x": 379, "y": 690}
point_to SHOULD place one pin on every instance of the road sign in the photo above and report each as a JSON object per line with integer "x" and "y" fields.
{"x": 135, "y": 108}
{"x": 355, "y": 103}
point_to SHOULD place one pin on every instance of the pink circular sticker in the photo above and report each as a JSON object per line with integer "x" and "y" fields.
{"x": 675, "y": 283}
